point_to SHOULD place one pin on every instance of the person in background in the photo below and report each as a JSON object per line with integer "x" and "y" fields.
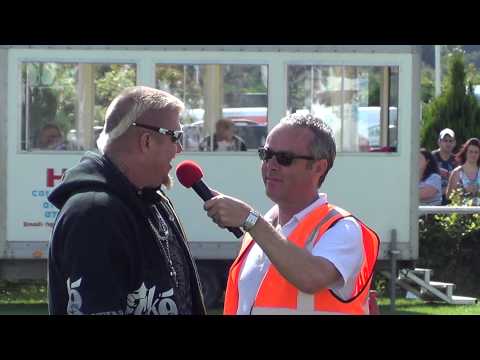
{"x": 118, "y": 246}
{"x": 445, "y": 158}
{"x": 430, "y": 184}
{"x": 51, "y": 138}
{"x": 305, "y": 256}
{"x": 224, "y": 138}
{"x": 466, "y": 176}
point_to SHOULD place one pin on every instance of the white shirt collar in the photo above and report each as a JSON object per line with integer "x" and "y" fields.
{"x": 322, "y": 199}
{"x": 293, "y": 222}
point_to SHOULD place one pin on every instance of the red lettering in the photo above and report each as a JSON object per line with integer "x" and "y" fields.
{"x": 52, "y": 177}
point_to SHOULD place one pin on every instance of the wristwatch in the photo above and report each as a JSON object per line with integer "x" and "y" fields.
{"x": 251, "y": 220}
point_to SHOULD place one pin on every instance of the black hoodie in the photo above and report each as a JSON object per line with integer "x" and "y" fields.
{"x": 104, "y": 256}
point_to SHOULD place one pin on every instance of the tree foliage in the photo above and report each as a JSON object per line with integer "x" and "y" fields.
{"x": 52, "y": 92}
{"x": 456, "y": 108}
{"x": 186, "y": 82}
{"x": 427, "y": 84}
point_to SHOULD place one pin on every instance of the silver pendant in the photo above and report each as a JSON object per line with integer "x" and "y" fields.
{"x": 163, "y": 228}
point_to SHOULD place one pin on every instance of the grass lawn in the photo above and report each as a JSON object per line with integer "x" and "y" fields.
{"x": 418, "y": 307}
{"x": 24, "y": 309}
{"x": 31, "y": 292}
{"x": 411, "y": 307}
{"x": 30, "y": 298}
{"x": 25, "y": 298}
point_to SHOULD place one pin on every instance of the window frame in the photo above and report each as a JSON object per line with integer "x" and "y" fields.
{"x": 277, "y": 62}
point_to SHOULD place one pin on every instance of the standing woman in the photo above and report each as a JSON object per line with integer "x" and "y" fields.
{"x": 430, "y": 185}
{"x": 466, "y": 176}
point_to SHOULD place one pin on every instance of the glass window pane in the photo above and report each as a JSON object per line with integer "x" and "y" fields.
{"x": 352, "y": 100}
{"x": 226, "y": 105}
{"x": 64, "y": 104}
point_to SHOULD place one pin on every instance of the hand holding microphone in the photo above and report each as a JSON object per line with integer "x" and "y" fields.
{"x": 222, "y": 209}
{"x": 226, "y": 210}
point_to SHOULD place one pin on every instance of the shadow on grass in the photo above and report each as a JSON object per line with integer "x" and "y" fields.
{"x": 417, "y": 304}
{"x": 23, "y": 309}
{"x": 385, "y": 310}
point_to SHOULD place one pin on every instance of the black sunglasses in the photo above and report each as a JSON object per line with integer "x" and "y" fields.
{"x": 175, "y": 136}
{"x": 284, "y": 158}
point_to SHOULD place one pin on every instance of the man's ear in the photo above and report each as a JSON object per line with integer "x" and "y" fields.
{"x": 145, "y": 142}
{"x": 321, "y": 166}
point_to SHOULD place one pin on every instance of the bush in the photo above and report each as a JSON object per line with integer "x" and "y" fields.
{"x": 450, "y": 245}
{"x": 380, "y": 284}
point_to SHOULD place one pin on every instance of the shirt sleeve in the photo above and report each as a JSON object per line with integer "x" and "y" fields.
{"x": 97, "y": 261}
{"x": 342, "y": 246}
{"x": 434, "y": 180}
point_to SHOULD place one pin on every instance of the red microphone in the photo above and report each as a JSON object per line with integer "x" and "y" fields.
{"x": 190, "y": 174}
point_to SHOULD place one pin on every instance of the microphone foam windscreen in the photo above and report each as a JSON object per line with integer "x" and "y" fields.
{"x": 188, "y": 173}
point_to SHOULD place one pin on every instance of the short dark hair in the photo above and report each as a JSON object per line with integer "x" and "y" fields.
{"x": 51, "y": 126}
{"x": 322, "y": 145}
{"x": 461, "y": 156}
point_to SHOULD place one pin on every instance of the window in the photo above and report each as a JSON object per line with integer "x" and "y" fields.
{"x": 226, "y": 105}
{"x": 64, "y": 104}
{"x": 359, "y": 103}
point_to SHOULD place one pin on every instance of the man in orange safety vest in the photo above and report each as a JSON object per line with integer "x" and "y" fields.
{"x": 305, "y": 255}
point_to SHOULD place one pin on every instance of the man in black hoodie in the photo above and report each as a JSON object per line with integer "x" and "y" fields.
{"x": 117, "y": 246}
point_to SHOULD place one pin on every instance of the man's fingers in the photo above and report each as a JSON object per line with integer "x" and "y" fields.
{"x": 211, "y": 213}
{"x": 213, "y": 201}
{"x": 208, "y": 204}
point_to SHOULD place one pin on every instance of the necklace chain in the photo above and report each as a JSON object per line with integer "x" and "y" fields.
{"x": 163, "y": 241}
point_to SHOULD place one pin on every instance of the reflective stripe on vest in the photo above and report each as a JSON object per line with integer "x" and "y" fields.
{"x": 277, "y": 296}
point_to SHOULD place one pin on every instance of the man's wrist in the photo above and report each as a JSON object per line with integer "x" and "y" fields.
{"x": 251, "y": 220}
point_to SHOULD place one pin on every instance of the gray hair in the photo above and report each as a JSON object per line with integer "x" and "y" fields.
{"x": 130, "y": 105}
{"x": 322, "y": 145}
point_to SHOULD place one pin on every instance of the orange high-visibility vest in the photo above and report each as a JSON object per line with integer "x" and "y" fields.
{"x": 278, "y": 296}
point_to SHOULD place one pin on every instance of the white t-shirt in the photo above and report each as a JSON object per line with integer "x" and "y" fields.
{"x": 341, "y": 245}
{"x": 435, "y": 181}
{"x": 224, "y": 145}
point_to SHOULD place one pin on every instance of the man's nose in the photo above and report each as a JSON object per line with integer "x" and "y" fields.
{"x": 272, "y": 163}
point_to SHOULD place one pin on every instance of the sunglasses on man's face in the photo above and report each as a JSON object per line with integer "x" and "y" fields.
{"x": 175, "y": 136}
{"x": 284, "y": 158}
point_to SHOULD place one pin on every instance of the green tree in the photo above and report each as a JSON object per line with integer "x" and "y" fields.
{"x": 456, "y": 108}
{"x": 297, "y": 93}
{"x": 50, "y": 93}
{"x": 375, "y": 77}
{"x": 240, "y": 80}
{"x": 473, "y": 76}
{"x": 110, "y": 83}
{"x": 427, "y": 84}
{"x": 110, "y": 80}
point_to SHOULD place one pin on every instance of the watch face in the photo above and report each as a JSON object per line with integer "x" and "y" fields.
{"x": 251, "y": 220}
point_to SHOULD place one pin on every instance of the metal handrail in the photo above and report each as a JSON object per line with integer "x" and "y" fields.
{"x": 423, "y": 210}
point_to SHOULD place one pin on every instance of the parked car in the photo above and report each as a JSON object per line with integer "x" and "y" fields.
{"x": 250, "y": 131}
{"x": 256, "y": 114}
